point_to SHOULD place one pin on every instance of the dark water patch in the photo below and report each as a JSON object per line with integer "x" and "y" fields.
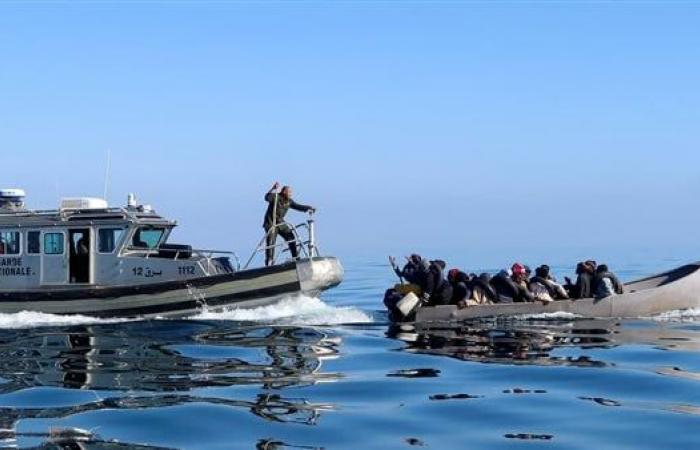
{"x": 272, "y": 444}
{"x": 415, "y": 373}
{"x": 529, "y": 436}
{"x": 519, "y": 391}
{"x": 454, "y": 397}
{"x": 602, "y": 401}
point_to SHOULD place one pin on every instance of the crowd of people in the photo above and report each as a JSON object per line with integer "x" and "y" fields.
{"x": 429, "y": 280}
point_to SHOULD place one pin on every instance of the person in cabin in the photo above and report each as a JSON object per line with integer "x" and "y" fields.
{"x": 81, "y": 247}
{"x": 544, "y": 288}
{"x": 437, "y": 290}
{"x": 606, "y": 283}
{"x": 279, "y": 203}
{"x": 137, "y": 241}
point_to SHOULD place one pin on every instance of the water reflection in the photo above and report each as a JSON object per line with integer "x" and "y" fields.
{"x": 538, "y": 342}
{"x": 162, "y": 364}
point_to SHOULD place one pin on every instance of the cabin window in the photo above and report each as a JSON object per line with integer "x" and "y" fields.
{"x": 108, "y": 239}
{"x": 9, "y": 242}
{"x": 53, "y": 243}
{"x": 33, "y": 242}
{"x": 147, "y": 237}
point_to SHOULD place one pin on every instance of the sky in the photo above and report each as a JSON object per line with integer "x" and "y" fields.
{"x": 479, "y": 128}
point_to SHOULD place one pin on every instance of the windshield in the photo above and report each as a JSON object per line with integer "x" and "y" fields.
{"x": 147, "y": 237}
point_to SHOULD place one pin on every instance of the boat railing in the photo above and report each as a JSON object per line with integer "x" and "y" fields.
{"x": 200, "y": 255}
{"x": 306, "y": 245}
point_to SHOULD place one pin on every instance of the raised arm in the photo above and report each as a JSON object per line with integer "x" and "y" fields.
{"x": 270, "y": 196}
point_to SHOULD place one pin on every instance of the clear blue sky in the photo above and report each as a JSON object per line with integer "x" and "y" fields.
{"x": 563, "y": 127}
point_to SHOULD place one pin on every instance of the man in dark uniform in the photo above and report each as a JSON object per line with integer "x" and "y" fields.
{"x": 278, "y": 205}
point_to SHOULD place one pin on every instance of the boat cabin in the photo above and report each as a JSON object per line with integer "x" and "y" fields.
{"x": 85, "y": 242}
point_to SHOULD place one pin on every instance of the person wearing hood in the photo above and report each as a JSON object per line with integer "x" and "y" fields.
{"x": 438, "y": 290}
{"x": 482, "y": 291}
{"x": 412, "y": 271}
{"x": 583, "y": 288}
{"x": 606, "y": 283}
{"x": 511, "y": 286}
{"x": 545, "y": 288}
{"x": 460, "y": 287}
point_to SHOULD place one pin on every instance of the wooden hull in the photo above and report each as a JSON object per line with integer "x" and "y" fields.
{"x": 677, "y": 289}
{"x": 245, "y": 289}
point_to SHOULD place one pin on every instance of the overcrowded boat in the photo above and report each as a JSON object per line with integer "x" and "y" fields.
{"x": 427, "y": 296}
{"x": 89, "y": 258}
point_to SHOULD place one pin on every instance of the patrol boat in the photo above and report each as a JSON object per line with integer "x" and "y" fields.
{"x": 92, "y": 259}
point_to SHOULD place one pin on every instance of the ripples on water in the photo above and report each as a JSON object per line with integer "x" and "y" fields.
{"x": 311, "y": 374}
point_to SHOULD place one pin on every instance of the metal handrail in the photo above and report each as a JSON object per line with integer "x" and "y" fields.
{"x": 200, "y": 253}
{"x": 307, "y": 247}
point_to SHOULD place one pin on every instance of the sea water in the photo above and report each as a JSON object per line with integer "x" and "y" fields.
{"x": 313, "y": 373}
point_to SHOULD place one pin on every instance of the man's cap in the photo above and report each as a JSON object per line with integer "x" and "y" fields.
{"x": 518, "y": 269}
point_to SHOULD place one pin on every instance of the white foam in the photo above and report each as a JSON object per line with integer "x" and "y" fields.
{"x": 691, "y": 314}
{"x": 559, "y": 315}
{"x": 294, "y": 310}
{"x": 32, "y": 319}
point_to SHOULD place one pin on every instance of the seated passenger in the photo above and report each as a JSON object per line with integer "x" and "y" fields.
{"x": 482, "y": 291}
{"x": 520, "y": 278}
{"x": 411, "y": 271}
{"x": 437, "y": 290}
{"x": 544, "y": 288}
{"x": 606, "y": 283}
{"x": 460, "y": 287}
{"x": 584, "y": 281}
{"x": 512, "y": 286}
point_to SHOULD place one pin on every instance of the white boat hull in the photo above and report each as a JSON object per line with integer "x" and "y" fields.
{"x": 244, "y": 289}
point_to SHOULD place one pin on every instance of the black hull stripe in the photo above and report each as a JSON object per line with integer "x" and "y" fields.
{"x": 189, "y": 305}
{"x": 153, "y": 288}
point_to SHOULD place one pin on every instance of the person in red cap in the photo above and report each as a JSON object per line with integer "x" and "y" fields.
{"x": 519, "y": 274}
{"x": 520, "y": 279}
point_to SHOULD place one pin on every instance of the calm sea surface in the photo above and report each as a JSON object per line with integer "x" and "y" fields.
{"x": 332, "y": 373}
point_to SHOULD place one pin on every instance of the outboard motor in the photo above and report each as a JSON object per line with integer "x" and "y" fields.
{"x": 12, "y": 199}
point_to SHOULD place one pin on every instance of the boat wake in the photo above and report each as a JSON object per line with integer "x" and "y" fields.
{"x": 681, "y": 315}
{"x": 32, "y": 319}
{"x": 294, "y": 310}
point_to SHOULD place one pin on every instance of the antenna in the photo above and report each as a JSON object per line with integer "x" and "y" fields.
{"x": 107, "y": 170}
{"x": 58, "y": 192}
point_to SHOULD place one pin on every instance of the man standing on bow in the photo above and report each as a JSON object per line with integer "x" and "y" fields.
{"x": 279, "y": 203}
